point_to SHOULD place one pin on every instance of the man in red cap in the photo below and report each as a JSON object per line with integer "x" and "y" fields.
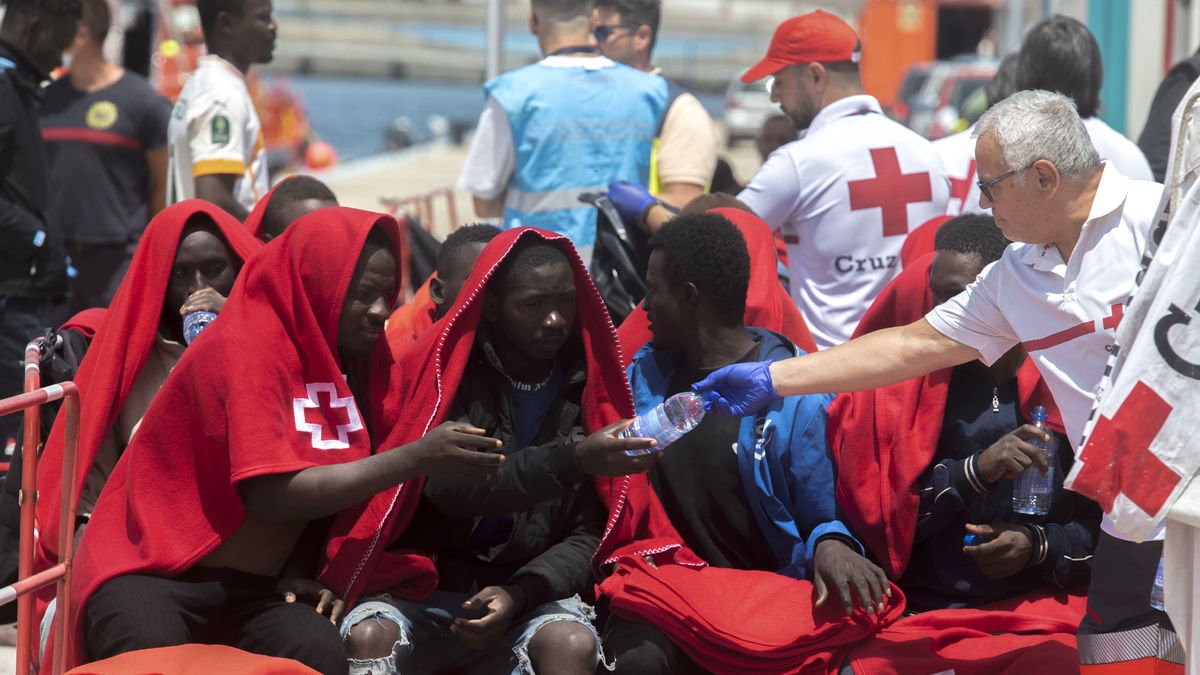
{"x": 846, "y": 194}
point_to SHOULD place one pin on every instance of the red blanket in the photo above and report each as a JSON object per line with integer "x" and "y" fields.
{"x": 883, "y": 440}
{"x": 261, "y": 391}
{"x": 1032, "y": 636}
{"x": 254, "y": 220}
{"x": 426, "y": 381}
{"x": 87, "y": 322}
{"x": 731, "y": 621}
{"x": 118, "y": 352}
{"x": 409, "y": 320}
{"x": 767, "y": 303}
{"x": 920, "y": 241}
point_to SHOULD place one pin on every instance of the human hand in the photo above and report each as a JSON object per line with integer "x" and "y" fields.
{"x": 293, "y": 589}
{"x": 206, "y": 299}
{"x": 738, "y": 390}
{"x": 836, "y": 564}
{"x": 502, "y": 604}
{"x": 631, "y": 200}
{"x": 603, "y": 454}
{"x": 451, "y": 451}
{"x": 1008, "y": 551}
{"x": 1013, "y": 453}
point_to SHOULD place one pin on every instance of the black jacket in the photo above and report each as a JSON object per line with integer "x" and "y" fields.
{"x": 32, "y": 259}
{"x": 557, "y": 516}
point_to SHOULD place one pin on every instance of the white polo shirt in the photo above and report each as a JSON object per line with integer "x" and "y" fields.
{"x": 958, "y": 159}
{"x": 214, "y": 129}
{"x": 1065, "y": 313}
{"x": 844, "y": 197}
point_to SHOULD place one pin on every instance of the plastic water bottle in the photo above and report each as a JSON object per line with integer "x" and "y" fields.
{"x": 1156, "y": 593}
{"x": 194, "y": 322}
{"x": 667, "y": 422}
{"x": 1032, "y": 491}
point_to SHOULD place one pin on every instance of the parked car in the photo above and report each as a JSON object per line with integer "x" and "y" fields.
{"x": 747, "y": 106}
{"x": 936, "y": 110}
{"x": 914, "y": 80}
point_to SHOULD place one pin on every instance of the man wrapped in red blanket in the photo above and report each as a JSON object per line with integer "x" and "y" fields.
{"x": 528, "y": 355}
{"x": 924, "y": 463}
{"x": 211, "y": 523}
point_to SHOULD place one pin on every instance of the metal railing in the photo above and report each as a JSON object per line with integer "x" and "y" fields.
{"x": 424, "y": 209}
{"x": 28, "y": 583}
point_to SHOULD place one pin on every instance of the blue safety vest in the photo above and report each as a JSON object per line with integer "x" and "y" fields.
{"x": 574, "y": 130}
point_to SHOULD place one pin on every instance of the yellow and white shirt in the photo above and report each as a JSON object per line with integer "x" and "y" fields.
{"x": 214, "y": 129}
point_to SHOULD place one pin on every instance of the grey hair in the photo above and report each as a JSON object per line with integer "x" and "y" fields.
{"x": 1035, "y": 124}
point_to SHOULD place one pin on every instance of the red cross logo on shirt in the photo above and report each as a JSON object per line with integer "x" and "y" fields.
{"x": 1117, "y": 457}
{"x": 961, "y": 187}
{"x": 300, "y": 407}
{"x": 890, "y": 191}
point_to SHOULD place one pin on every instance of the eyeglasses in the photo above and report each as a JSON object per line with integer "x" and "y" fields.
{"x": 986, "y": 188}
{"x": 605, "y": 31}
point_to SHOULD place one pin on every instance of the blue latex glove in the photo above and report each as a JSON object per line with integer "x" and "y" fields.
{"x": 630, "y": 199}
{"x": 738, "y": 390}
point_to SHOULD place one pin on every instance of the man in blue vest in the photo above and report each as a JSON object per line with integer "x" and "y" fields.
{"x": 568, "y": 124}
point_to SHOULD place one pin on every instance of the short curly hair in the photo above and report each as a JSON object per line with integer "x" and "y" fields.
{"x": 709, "y": 252}
{"x": 972, "y": 233}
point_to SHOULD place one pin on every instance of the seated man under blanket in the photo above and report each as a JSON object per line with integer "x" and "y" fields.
{"x": 211, "y": 524}
{"x": 767, "y": 505}
{"x": 528, "y": 355}
{"x": 959, "y": 438}
{"x": 291, "y": 198}
{"x": 188, "y": 259}
{"x": 455, "y": 260}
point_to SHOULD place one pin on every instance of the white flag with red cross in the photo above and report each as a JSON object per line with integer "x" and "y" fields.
{"x": 1141, "y": 449}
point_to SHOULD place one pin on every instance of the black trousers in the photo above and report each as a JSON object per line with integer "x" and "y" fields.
{"x": 642, "y": 649}
{"x": 210, "y": 606}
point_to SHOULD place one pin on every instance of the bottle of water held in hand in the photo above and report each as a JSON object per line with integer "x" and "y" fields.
{"x": 1157, "y": 600}
{"x": 1032, "y": 491}
{"x": 194, "y": 322}
{"x": 667, "y": 422}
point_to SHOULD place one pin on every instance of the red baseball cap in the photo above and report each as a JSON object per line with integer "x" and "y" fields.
{"x": 816, "y": 36}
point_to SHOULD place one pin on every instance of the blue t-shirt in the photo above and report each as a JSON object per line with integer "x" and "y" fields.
{"x": 531, "y": 402}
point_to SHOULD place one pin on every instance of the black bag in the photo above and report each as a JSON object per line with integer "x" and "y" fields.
{"x": 619, "y": 259}
{"x": 57, "y": 365}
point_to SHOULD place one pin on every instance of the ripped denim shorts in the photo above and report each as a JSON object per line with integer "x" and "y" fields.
{"x": 427, "y": 646}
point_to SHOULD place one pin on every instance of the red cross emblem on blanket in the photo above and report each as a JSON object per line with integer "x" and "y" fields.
{"x": 328, "y": 414}
{"x": 1117, "y": 457}
{"x": 890, "y": 191}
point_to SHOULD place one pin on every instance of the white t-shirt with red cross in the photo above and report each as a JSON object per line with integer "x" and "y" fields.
{"x": 958, "y": 158}
{"x": 1064, "y": 313}
{"x": 844, "y": 197}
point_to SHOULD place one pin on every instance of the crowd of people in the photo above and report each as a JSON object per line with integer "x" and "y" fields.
{"x": 886, "y": 332}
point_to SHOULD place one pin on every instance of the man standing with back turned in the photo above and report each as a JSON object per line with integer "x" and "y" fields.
{"x": 846, "y": 195}
{"x": 568, "y": 124}
{"x": 215, "y": 136}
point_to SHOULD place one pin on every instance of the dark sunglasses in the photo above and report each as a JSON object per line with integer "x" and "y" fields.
{"x": 986, "y": 188}
{"x": 603, "y": 32}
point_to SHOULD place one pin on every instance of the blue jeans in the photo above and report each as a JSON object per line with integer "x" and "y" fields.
{"x": 426, "y": 646}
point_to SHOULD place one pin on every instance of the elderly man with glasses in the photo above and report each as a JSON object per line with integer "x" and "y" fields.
{"x": 1081, "y": 229}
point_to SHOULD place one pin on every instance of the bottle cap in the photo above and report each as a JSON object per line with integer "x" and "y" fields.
{"x": 1039, "y": 412}
{"x": 972, "y": 540}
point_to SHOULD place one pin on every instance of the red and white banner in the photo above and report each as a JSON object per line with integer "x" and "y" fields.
{"x": 1141, "y": 448}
